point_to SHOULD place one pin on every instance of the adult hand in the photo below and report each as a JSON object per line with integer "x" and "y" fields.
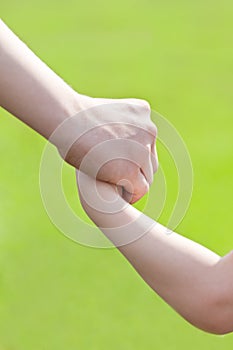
{"x": 117, "y": 138}
{"x": 32, "y": 92}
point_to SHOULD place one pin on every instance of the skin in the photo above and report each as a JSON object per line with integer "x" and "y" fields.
{"x": 32, "y": 92}
{"x": 195, "y": 281}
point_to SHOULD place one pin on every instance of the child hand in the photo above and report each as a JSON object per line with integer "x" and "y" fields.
{"x": 98, "y": 197}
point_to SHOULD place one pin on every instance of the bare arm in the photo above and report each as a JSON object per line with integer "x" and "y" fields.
{"x": 196, "y": 282}
{"x": 32, "y": 92}
{"x": 29, "y": 89}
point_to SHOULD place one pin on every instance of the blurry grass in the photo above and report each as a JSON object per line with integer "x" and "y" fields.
{"x": 178, "y": 55}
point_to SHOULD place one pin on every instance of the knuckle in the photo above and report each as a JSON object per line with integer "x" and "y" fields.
{"x": 139, "y": 103}
{"x": 146, "y": 105}
{"x": 155, "y": 167}
{"x": 142, "y": 189}
{"x": 152, "y": 128}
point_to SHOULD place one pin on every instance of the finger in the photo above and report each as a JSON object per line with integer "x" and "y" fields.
{"x": 120, "y": 190}
{"x": 136, "y": 187}
{"x": 154, "y": 158}
{"x": 126, "y": 195}
{"x": 147, "y": 168}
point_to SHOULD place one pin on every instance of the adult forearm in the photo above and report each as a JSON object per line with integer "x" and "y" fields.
{"x": 29, "y": 89}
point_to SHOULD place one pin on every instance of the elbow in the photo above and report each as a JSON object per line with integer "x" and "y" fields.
{"x": 212, "y": 309}
{"x": 216, "y": 315}
{"x": 218, "y": 327}
{"x": 220, "y": 323}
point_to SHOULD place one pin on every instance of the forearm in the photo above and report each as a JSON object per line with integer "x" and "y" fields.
{"x": 196, "y": 282}
{"x": 188, "y": 276}
{"x": 29, "y": 89}
{"x": 181, "y": 271}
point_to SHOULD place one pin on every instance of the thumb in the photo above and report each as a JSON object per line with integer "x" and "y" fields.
{"x": 135, "y": 188}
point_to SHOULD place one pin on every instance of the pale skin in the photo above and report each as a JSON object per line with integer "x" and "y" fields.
{"x": 32, "y": 92}
{"x": 195, "y": 281}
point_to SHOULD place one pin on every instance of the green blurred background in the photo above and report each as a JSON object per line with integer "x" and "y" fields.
{"x": 54, "y": 293}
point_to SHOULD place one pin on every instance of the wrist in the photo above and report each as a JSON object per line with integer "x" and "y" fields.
{"x": 69, "y": 125}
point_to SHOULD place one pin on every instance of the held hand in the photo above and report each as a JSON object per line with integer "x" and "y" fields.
{"x": 94, "y": 193}
{"x": 102, "y": 202}
{"x": 117, "y": 137}
{"x": 114, "y": 143}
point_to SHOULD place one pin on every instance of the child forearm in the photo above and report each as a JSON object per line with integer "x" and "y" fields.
{"x": 188, "y": 276}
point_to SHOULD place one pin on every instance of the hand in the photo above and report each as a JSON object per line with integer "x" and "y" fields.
{"x": 94, "y": 193}
{"x": 117, "y": 138}
{"x": 104, "y": 204}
